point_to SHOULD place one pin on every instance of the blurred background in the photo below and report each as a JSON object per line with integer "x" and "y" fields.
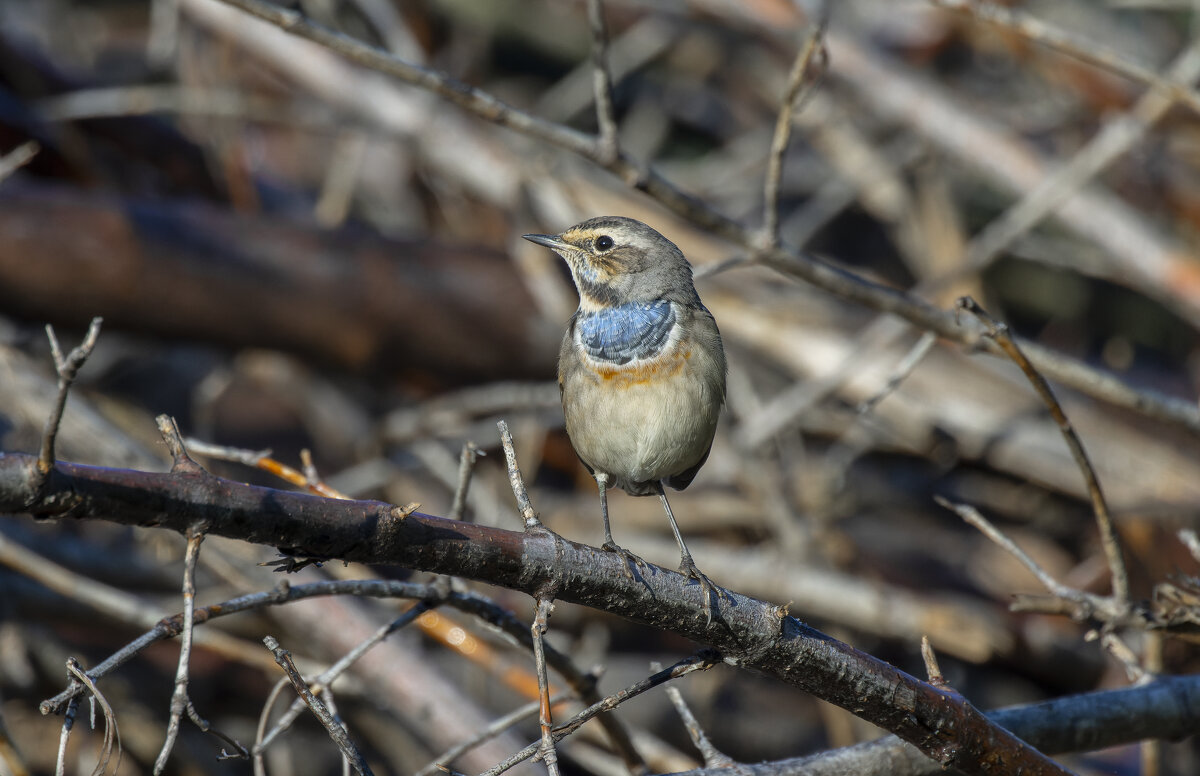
{"x": 293, "y": 253}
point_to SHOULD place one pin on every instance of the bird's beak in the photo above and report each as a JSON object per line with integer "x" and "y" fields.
{"x": 552, "y": 241}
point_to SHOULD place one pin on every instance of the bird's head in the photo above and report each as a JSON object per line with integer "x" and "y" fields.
{"x": 616, "y": 260}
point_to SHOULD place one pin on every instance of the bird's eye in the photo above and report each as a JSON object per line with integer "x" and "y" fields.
{"x": 604, "y": 242}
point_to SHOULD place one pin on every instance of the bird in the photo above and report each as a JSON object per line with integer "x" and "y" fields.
{"x": 641, "y": 369}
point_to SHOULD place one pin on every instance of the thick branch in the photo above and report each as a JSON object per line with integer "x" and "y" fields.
{"x": 749, "y": 633}
{"x": 1163, "y": 709}
{"x": 344, "y": 296}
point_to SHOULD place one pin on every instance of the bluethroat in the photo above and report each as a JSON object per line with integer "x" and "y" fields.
{"x": 641, "y": 369}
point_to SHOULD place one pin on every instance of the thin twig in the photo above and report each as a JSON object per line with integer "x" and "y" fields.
{"x": 331, "y": 703}
{"x": 783, "y": 131}
{"x": 583, "y": 684}
{"x": 486, "y": 503}
{"x": 919, "y": 350}
{"x": 261, "y": 459}
{"x": 311, "y": 475}
{"x": 495, "y": 728}
{"x": 702, "y": 660}
{"x": 973, "y": 517}
{"x": 514, "y": 479}
{"x": 336, "y": 731}
{"x": 932, "y": 669}
{"x": 67, "y": 368}
{"x": 602, "y": 84}
{"x": 713, "y": 757}
{"x": 112, "y": 735}
{"x": 327, "y": 677}
{"x": 466, "y": 467}
{"x": 782, "y": 410}
{"x": 260, "y": 743}
{"x": 239, "y": 752}
{"x": 222, "y": 452}
{"x": 1113, "y": 644}
{"x": 60, "y": 766}
{"x": 180, "y": 701}
{"x": 179, "y": 698}
{"x": 1080, "y": 604}
{"x": 170, "y": 627}
{"x": 1108, "y": 536}
{"x": 708, "y": 270}
{"x": 181, "y": 461}
{"x": 546, "y": 753}
{"x": 18, "y": 158}
{"x": 843, "y": 456}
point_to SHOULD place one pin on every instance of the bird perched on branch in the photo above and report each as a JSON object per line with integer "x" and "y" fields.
{"x": 641, "y": 368}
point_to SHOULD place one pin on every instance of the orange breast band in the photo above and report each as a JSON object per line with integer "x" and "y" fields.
{"x": 642, "y": 371}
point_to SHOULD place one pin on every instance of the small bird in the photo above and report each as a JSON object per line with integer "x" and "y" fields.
{"x": 641, "y": 369}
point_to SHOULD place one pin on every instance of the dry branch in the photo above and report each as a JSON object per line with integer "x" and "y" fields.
{"x": 1159, "y": 709}
{"x": 344, "y": 297}
{"x": 750, "y": 633}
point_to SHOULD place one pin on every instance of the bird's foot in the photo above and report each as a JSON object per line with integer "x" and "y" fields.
{"x": 630, "y": 559}
{"x": 707, "y": 588}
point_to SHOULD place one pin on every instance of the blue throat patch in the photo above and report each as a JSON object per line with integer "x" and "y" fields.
{"x": 626, "y": 332}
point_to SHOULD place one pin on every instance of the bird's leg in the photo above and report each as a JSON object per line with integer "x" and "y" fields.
{"x": 688, "y": 566}
{"x": 630, "y": 559}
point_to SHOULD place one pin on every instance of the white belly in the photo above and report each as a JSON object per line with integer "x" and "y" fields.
{"x": 642, "y": 423}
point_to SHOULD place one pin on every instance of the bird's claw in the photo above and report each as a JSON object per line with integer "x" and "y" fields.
{"x": 689, "y": 569}
{"x": 630, "y": 559}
